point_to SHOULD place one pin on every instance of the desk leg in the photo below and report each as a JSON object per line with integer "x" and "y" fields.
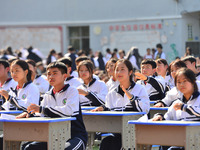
{"x": 192, "y": 138}
{"x": 91, "y": 136}
{"x": 59, "y": 133}
{"x": 128, "y": 133}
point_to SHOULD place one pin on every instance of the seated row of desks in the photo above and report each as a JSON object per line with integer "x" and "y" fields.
{"x": 56, "y": 131}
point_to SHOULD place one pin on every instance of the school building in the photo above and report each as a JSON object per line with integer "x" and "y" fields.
{"x": 101, "y": 24}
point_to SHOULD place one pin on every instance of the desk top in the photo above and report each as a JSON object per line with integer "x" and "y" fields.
{"x": 11, "y": 112}
{"x": 87, "y": 107}
{"x": 38, "y": 120}
{"x": 159, "y": 108}
{"x": 113, "y": 113}
{"x": 166, "y": 123}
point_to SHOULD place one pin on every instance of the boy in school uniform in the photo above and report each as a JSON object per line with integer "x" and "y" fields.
{"x": 6, "y": 82}
{"x": 61, "y": 101}
{"x": 190, "y": 62}
{"x": 71, "y": 80}
{"x": 155, "y": 85}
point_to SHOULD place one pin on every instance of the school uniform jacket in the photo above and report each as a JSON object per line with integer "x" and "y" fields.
{"x": 72, "y": 81}
{"x": 10, "y": 83}
{"x": 42, "y": 84}
{"x": 190, "y": 111}
{"x": 173, "y": 95}
{"x": 155, "y": 87}
{"x": 117, "y": 100}
{"x": 111, "y": 84}
{"x": 65, "y": 103}
{"x": 97, "y": 93}
{"x": 198, "y": 76}
{"x": 25, "y": 96}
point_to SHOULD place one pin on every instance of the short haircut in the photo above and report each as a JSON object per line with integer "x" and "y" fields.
{"x": 81, "y": 58}
{"x": 149, "y": 61}
{"x": 5, "y": 63}
{"x": 32, "y": 62}
{"x": 61, "y": 66}
{"x": 159, "y": 46}
{"x": 189, "y": 58}
{"x": 66, "y": 60}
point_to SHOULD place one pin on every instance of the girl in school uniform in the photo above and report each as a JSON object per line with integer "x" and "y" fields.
{"x": 112, "y": 82}
{"x": 174, "y": 93}
{"x": 162, "y": 70}
{"x": 128, "y": 96}
{"x": 92, "y": 92}
{"x": 26, "y": 92}
{"x": 187, "y": 107}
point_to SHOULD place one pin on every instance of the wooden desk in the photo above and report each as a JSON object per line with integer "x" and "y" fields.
{"x": 154, "y": 110}
{"x": 11, "y": 112}
{"x": 54, "y": 131}
{"x": 111, "y": 122}
{"x": 169, "y": 133}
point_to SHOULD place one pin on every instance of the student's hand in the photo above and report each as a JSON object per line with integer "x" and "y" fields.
{"x": 129, "y": 95}
{"x": 97, "y": 109}
{"x": 82, "y": 92}
{"x": 4, "y": 94}
{"x": 140, "y": 76}
{"x": 177, "y": 106}
{"x": 33, "y": 108}
{"x": 157, "y": 118}
{"x": 22, "y": 115}
{"x": 159, "y": 105}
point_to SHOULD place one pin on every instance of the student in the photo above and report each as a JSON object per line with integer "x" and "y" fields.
{"x": 100, "y": 61}
{"x": 172, "y": 94}
{"x": 162, "y": 70}
{"x": 133, "y": 56}
{"x": 128, "y": 96}
{"x": 39, "y": 80}
{"x": 78, "y": 60}
{"x": 51, "y": 56}
{"x": 190, "y": 62}
{"x": 155, "y": 85}
{"x": 187, "y": 108}
{"x": 61, "y": 101}
{"x": 71, "y": 80}
{"x": 112, "y": 82}
{"x": 92, "y": 92}
{"x": 148, "y": 55}
{"x": 25, "y": 93}
{"x": 159, "y": 53}
{"x": 5, "y": 81}
{"x": 72, "y": 54}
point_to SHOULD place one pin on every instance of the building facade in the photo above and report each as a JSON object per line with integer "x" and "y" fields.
{"x": 101, "y": 24}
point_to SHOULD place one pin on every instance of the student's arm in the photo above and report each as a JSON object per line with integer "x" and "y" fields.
{"x": 141, "y": 102}
{"x": 157, "y": 86}
{"x": 70, "y": 108}
{"x": 31, "y": 96}
{"x": 170, "y": 97}
{"x": 98, "y": 98}
{"x": 190, "y": 109}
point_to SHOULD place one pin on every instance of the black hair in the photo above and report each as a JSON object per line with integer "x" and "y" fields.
{"x": 108, "y": 50}
{"x": 70, "y": 48}
{"x": 113, "y": 60}
{"x": 61, "y": 66}
{"x": 159, "y": 46}
{"x": 81, "y": 58}
{"x": 32, "y": 62}
{"x": 189, "y": 74}
{"x": 89, "y": 65}
{"x": 24, "y": 65}
{"x": 179, "y": 63}
{"x": 189, "y": 58}
{"x": 66, "y": 60}
{"x": 128, "y": 65}
{"x": 5, "y": 63}
{"x": 162, "y": 61}
{"x": 149, "y": 61}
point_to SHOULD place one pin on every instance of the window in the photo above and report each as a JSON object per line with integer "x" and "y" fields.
{"x": 79, "y": 37}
